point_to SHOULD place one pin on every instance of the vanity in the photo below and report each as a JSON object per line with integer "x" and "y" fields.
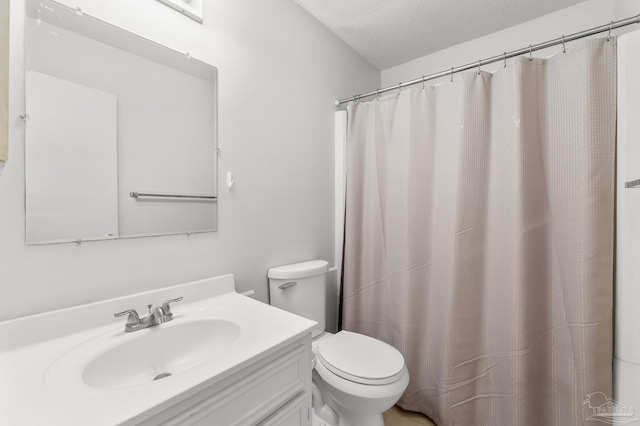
{"x": 223, "y": 359}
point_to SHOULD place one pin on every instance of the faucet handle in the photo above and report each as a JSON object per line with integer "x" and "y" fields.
{"x": 133, "y": 319}
{"x": 165, "y": 306}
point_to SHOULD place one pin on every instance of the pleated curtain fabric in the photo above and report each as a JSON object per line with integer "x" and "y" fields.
{"x": 479, "y": 237}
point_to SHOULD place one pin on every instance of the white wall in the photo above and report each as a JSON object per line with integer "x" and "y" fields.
{"x": 627, "y": 350}
{"x": 4, "y": 68}
{"x": 279, "y": 73}
{"x": 624, "y": 9}
{"x": 574, "y": 19}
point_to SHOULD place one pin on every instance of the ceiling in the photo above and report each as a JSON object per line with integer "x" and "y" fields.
{"x": 392, "y": 32}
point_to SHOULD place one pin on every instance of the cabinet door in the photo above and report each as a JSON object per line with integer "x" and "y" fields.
{"x": 296, "y": 413}
{"x": 258, "y": 392}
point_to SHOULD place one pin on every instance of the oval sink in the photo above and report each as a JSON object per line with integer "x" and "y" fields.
{"x": 159, "y": 352}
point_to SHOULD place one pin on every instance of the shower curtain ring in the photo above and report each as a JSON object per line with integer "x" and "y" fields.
{"x": 564, "y": 48}
{"x": 479, "y": 65}
{"x": 423, "y": 79}
{"x": 399, "y": 87}
{"x": 505, "y": 59}
{"x": 610, "y": 28}
{"x": 451, "y": 75}
{"x": 378, "y": 95}
{"x": 530, "y": 53}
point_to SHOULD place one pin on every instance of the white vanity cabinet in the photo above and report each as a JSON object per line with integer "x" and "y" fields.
{"x": 231, "y": 360}
{"x": 273, "y": 390}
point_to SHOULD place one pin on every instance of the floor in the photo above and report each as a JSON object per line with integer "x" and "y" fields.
{"x": 396, "y": 416}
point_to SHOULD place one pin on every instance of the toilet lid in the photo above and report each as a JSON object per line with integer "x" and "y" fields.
{"x": 360, "y": 358}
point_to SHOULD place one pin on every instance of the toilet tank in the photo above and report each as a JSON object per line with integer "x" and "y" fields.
{"x": 300, "y": 288}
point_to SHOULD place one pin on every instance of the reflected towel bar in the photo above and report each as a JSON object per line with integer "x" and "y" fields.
{"x": 632, "y": 184}
{"x": 138, "y": 195}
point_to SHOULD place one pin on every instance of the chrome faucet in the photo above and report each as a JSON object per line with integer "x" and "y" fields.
{"x": 158, "y": 315}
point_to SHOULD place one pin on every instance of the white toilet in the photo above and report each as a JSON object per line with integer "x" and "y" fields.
{"x": 355, "y": 377}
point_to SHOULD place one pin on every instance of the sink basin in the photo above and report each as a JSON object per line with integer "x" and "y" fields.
{"x": 115, "y": 361}
{"x": 159, "y": 352}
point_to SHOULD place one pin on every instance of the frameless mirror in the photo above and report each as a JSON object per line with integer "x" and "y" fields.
{"x": 120, "y": 132}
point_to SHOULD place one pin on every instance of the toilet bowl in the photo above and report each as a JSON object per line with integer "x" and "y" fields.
{"x": 355, "y": 377}
{"x": 361, "y": 377}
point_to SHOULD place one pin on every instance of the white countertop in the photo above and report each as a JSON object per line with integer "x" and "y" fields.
{"x": 41, "y": 384}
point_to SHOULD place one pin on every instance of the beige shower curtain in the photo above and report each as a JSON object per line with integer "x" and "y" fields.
{"x": 479, "y": 237}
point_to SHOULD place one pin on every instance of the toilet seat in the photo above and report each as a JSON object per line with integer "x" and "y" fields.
{"x": 361, "y": 359}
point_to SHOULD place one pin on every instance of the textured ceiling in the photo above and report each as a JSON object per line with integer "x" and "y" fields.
{"x": 391, "y": 32}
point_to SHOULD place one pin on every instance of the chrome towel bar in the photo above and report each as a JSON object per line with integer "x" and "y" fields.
{"x": 139, "y": 195}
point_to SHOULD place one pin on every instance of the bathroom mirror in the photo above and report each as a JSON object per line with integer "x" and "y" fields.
{"x": 120, "y": 132}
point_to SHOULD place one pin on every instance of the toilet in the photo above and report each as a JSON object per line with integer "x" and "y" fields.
{"x": 355, "y": 377}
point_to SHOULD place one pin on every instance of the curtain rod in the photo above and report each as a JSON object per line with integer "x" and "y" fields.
{"x": 506, "y": 55}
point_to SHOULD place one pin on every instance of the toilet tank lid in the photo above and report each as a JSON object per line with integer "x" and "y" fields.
{"x": 299, "y": 270}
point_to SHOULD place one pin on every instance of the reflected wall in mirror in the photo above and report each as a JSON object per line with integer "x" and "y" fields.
{"x": 110, "y": 114}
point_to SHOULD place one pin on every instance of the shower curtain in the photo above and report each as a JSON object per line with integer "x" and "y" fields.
{"x": 479, "y": 237}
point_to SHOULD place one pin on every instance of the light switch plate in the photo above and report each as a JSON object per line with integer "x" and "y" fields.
{"x": 190, "y": 8}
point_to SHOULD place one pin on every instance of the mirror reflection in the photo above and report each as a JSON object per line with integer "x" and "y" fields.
{"x": 120, "y": 132}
